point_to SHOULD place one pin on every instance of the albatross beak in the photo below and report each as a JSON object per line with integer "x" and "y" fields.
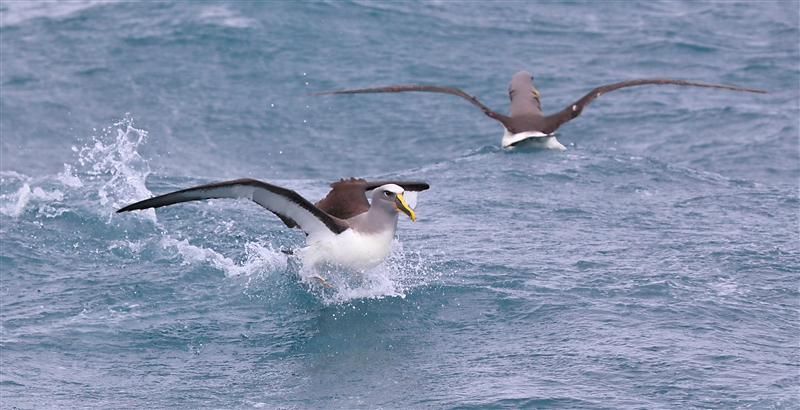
{"x": 401, "y": 205}
{"x": 535, "y": 92}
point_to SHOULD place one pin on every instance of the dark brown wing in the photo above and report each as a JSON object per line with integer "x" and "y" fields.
{"x": 348, "y": 197}
{"x": 346, "y": 200}
{"x": 426, "y": 88}
{"x": 573, "y": 110}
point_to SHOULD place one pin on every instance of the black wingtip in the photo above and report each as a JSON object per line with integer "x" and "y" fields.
{"x": 127, "y": 209}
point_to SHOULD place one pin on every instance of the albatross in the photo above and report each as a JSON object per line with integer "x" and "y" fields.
{"x": 343, "y": 228}
{"x": 525, "y": 121}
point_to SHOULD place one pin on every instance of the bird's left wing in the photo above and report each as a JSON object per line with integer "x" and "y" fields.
{"x": 554, "y": 121}
{"x": 292, "y": 208}
{"x": 346, "y": 199}
{"x": 504, "y": 119}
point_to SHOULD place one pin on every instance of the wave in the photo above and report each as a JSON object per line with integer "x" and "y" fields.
{"x": 15, "y": 13}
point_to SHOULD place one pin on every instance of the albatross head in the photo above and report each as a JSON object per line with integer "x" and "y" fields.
{"x": 522, "y": 83}
{"x": 390, "y": 198}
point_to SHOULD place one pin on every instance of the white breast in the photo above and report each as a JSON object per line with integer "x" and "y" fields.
{"x": 349, "y": 250}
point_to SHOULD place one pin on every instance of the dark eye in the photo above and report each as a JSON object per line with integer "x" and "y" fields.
{"x": 387, "y": 193}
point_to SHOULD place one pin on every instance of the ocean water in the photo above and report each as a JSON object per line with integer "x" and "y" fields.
{"x": 653, "y": 264}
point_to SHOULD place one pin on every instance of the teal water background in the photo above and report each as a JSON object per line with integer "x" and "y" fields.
{"x": 653, "y": 264}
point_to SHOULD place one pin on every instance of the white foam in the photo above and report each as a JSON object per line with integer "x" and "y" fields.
{"x": 7, "y": 177}
{"x": 258, "y": 258}
{"x": 398, "y": 274}
{"x": 14, "y": 204}
{"x": 222, "y": 15}
{"x": 134, "y": 246}
{"x": 39, "y": 193}
{"x": 68, "y": 178}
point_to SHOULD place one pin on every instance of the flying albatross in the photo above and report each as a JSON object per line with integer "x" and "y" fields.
{"x": 525, "y": 121}
{"x": 343, "y": 228}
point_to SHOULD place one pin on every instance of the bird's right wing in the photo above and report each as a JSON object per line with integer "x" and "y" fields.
{"x": 415, "y": 186}
{"x": 411, "y": 188}
{"x": 573, "y": 110}
{"x": 293, "y": 209}
{"x": 348, "y": 197}
{"x": 504, "y": 119}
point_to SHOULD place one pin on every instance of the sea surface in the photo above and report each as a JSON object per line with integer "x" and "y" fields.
{"x": 653, "y": 264}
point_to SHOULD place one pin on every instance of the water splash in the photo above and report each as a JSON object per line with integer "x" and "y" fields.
{"x": 401, "y": 272}
{"x": 258, "y": 258}
{"x": 19, "y": 191}
{"x": 112, "y": 159}
{"x": 68, "y": 177}
{"x": 14, "y": 204}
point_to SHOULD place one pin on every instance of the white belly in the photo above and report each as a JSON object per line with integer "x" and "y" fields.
{"x": 531, "y": 139}
{"x": 349, "y": 250}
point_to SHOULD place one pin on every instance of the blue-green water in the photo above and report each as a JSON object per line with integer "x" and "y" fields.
{"x": 653, "y": 264}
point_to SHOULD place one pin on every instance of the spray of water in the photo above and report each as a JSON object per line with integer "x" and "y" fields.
{"x": 109, "y": 173}
{"x": 20, "y": 193}
{"x": 113, "y": 162}
{"x": 401, "y": 272}
{"x": 258, "y": 258}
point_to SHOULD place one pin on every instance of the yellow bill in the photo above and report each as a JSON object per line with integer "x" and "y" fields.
{"x": 401, "y": 205}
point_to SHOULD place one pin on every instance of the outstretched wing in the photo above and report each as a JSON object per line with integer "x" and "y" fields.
{"x": 411, "y": 188}
{"x": 293, "y": 209}
{"x": 348, "y": 196}
{"x": 426, "y": 88}
{"x": 554, "y": 121}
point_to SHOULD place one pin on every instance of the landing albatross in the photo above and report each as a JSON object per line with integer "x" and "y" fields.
{"x": 343, "y": 229}
{"x": 525, "y": 121}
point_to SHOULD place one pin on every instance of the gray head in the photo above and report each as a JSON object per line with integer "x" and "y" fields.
{"x": 389, "y": 198}
{"x": 387, "y": 202}
{"x": 523, "y": 95}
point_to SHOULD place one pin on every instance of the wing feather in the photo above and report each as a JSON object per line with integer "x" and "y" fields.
{"x": 504, "y": 119}
{"x": 411, "y": 188}
{"x": 348, "y": 196}
{"x": 554, "y": 121}
{"x": 285, "y": 203}
{"x": 415, "y": 186}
